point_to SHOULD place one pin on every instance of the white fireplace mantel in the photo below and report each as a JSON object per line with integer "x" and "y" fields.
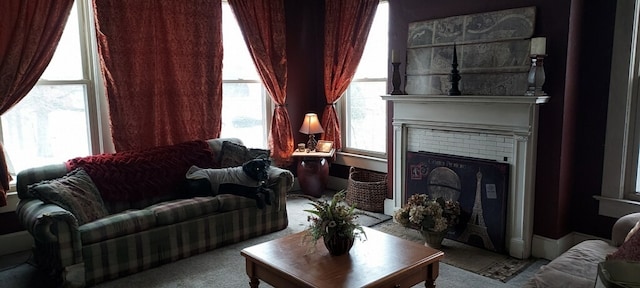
{"x": 511, "y": 117}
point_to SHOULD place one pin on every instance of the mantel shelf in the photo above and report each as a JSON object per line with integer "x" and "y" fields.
{"x": 467, "y": 99}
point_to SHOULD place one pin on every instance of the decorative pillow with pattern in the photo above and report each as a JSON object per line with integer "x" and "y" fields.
{"x": 233, "y": 154}
{"x": 75, "y": 192}
{"x": 629, "y": 250}
{"x": 633, "y": 231}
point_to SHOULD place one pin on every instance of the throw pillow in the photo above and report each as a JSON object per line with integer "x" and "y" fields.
{"x": 633, "y": 231}
{"x": 75, "y": 192}
{"x": 233, "y": 154}
{"x": 629, "y": 250}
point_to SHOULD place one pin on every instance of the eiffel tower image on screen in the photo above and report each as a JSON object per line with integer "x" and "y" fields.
{"x": 476, "y": 225}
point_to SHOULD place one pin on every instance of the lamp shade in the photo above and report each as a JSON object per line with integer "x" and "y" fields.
{"x": 311, "y": 124}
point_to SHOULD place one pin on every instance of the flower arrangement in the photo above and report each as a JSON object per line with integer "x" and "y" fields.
{"x": 427, "y": 214}
{"x": 332, "y": 219}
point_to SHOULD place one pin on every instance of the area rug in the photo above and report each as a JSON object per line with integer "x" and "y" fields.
{"x": 479, "y": 261}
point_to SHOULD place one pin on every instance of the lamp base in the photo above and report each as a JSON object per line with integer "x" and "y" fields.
{"x": 312, "y": 143}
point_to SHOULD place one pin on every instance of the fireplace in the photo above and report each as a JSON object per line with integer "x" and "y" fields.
{"x": 500, "y": 129}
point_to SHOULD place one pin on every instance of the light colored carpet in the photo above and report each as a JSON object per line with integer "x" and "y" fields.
{"x": 225, "y": 267}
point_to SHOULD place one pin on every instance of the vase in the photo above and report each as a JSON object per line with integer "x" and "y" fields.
{"x": 338, "y": 245}
{"x": 433, "y": 239}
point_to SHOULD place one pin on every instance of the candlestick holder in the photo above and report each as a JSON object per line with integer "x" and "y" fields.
{"x": 395, "y": 79}
{"x": 536, "y": 76}
{"x": 454, "y": 76}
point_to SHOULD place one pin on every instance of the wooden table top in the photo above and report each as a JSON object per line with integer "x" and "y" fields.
{"x": 369, "y": 262}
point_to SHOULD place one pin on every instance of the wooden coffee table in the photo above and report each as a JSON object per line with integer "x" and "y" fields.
{"x": 382, "y": 260}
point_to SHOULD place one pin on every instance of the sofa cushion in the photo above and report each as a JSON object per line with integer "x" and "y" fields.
{"x": 179, "y": 210}
{"x": 136, "y": 176}
{"x": 112, "y": 226}
{"x": 233, "y": 154}
{"x": 629, "y": 250}
{"x": 75, "y": 192}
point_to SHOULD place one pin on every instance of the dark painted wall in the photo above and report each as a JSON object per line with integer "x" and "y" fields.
{"x": 591, "y": 100}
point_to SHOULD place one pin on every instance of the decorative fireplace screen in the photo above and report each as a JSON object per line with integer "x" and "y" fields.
{"x": 479, "y": 185}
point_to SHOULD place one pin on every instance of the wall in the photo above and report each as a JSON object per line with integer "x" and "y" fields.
{"x": 567, "y": 149}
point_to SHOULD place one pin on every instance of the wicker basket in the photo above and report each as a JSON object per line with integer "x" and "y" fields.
{"x": 367, "y": 190}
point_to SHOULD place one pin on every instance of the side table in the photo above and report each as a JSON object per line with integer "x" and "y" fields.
{"x": 313, "y": 171}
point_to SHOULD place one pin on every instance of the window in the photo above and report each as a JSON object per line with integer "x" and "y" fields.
{"x": 621, "y": 175}
{"x": 51, "y": 124}
{"x": 363, "y": 112}
{"x": 245, "y": 101}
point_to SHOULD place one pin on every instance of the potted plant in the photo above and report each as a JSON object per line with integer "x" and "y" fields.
{"x": 335, "y": 223}
{"x": 432, "y": 217}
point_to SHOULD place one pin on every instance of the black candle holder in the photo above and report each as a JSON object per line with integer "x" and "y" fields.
{"x": 395, "y": 79}
{"x": 454, "y": 77}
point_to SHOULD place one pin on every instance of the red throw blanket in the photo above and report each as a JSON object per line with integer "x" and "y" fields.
{"x": 150, "y": 173}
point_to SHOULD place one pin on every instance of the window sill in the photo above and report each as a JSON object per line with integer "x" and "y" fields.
{"x": 362, "y": 161}
{"x": 12, "y": 201}
{"x": 616, "y": 208}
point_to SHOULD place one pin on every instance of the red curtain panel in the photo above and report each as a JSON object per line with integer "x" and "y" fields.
{"x": 29, "y": 34}
{"x": 347, "y": 25}
{"x": 162, "y": 65}
{"x": 263, "y": 25}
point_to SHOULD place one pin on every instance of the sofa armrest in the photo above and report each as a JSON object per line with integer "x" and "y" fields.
{"x": 622, "y": 227}
{"x": 53, "y": 228}
{"x": 281, "y": 181}
{"x": 39, "y": 217}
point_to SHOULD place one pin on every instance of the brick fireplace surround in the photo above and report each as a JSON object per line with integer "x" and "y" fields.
{"x": 501, "y": 128}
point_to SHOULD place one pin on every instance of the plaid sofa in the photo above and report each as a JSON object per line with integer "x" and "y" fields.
{"x": 145, "y": 234}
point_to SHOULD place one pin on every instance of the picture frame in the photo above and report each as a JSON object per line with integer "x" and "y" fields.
{"x": 324, "y": 146}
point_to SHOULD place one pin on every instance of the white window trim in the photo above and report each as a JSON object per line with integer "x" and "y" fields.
{"x": 97, "y": 106}
{"x": 370, "y": 160}
{"x": 622, "y": 137}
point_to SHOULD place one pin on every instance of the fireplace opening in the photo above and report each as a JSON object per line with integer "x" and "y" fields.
{"x": 480, "y": 185}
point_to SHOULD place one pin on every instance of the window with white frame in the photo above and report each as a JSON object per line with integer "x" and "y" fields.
{"x": 621, "y": 177}
{"x": 363, "y": 112}
{"x": 51, "y": 123}
{"x": 244, "y": 98}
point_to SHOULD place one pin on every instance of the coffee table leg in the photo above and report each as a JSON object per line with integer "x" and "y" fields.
{"x": 254, "y": 282}
{"x": 432, "y": 273}
{"x": 251, "y": 272}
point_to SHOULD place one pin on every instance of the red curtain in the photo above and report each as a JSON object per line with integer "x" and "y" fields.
{"x": 162, "y": 65}
{"x": 29, "y": 34}
{"x": 263, "y": 25}
{"x": 347, "y": 25}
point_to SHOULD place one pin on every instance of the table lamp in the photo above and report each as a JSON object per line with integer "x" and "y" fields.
{"x": 311, "y": 126}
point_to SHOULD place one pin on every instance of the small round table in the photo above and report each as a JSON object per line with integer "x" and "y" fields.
{"x": 313, "y": 171}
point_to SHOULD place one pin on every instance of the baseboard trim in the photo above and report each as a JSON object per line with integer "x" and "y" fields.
{"x": 15, "y": 242}
{"x": 547, "y": 248}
